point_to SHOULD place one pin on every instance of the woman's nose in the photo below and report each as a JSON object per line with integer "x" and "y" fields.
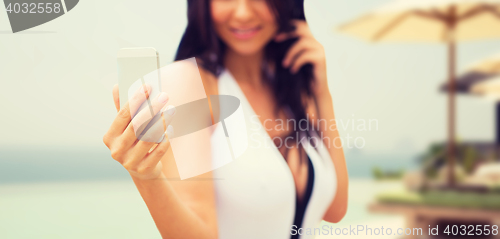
{"x": 243, "y": 11}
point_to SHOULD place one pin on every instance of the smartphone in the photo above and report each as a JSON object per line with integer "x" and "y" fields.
{"x": 137, "y": 67}
{"x": 134, "y": 64}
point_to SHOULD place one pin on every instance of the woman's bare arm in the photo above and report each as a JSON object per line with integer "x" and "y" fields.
{"x": 338, "y": 207}
{"x": 307, "y": 50}
{"x": 180, "y": 209}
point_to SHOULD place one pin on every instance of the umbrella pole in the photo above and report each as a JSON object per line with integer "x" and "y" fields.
{"x": 497, "y": 133}
{"x": 451, "y": 98}
{"x": 451, "y": 113}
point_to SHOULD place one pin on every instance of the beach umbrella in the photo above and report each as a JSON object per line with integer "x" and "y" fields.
{"x": 478, "y": 72}
{"x": 482, "y": 79}
{"x": 489, "y": 88}
{"x": 445, "y": 21}
{"x": 490, "y": 65}
{"x": 465, "y": 81}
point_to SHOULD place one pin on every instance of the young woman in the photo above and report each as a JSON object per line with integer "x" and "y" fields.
{"x": 263, "y": 53}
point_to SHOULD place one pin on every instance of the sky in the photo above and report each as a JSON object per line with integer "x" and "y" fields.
{"x": 57, "y": 78}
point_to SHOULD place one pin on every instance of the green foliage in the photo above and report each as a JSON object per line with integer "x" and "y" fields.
{"x": 444, "y": 198}
{"x": 379, "y": 174}
{"x": 435, "y": 155}
{"x": 470, "y": 158}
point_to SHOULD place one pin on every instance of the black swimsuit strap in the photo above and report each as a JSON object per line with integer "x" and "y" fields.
{"x": 300, "y": 207}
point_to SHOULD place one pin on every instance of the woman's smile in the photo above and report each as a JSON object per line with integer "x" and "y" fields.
{"x": 245, "y": 33}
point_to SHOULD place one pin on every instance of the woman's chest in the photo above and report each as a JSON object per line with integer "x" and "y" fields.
{"x": 263, "y": 103}
{"x": 280, "y": 130}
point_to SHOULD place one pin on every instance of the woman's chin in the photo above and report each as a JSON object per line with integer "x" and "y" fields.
{"x": 245, "y": 50}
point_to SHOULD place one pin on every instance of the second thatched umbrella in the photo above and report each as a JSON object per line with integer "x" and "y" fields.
{"x": 482, "y": 79}
{"x": 446, "y": 21}
{"x": 489, "y": 88}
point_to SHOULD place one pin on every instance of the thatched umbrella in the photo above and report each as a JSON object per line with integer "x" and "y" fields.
{"x": 482, "y": 79}
{"x": 445, "y": 21}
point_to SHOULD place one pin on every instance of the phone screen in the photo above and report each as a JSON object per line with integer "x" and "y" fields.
{"x": 136, "y": 67}
{"x": 133, "y": 66}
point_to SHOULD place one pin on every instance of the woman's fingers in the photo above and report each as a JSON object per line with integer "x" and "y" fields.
{"x": 124, "y": 114}
{"x": 168, "y": 115}
{"x": 140, "y": 95}
{"x": 120, "y": 122}
{"x": 137, "y": 154}
{"x": 116, "y": 97}
{"x": 135, "y": 129}
{"x": 142, "y": 148}
{"x": 142, "y": 119}
{"x": 157, "y": 131}
{"x": 155, "y": 156}
{"x": 307, "y": 57}
{"x": 121, "y": 137}
{"x": 294, "y": 51}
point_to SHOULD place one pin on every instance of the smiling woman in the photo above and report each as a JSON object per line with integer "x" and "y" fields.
{"x": 246, "y": 36}
{"x": 263, "y": 53}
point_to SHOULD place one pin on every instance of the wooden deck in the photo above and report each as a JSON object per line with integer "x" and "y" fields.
{"x": 421, "y": 216}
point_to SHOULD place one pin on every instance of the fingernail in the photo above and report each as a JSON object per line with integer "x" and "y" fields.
{"x": 144, "y": 88}
{"x": 170, "y": 110}
{"x": 170, "y": 131}
{"x": 163, "y": 97}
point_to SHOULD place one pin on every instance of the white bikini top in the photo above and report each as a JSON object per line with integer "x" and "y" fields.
{"x": 255, "y": 194}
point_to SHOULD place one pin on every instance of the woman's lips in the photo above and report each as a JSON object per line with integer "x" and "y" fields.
{"x": 245, "y": 33}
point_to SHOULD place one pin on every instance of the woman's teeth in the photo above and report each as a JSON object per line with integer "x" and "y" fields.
{"x": 245, "y": 31}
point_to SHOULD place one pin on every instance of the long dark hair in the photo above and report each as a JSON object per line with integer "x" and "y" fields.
{"x": 200, "y": 40}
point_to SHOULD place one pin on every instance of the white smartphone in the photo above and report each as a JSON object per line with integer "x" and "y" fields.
{"x": 136, "y": 67}
{"x": 134, "y": 64}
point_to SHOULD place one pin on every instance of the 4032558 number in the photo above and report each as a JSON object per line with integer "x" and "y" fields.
{"x": 471, "y": 230}
{"x": 34, "y": 8}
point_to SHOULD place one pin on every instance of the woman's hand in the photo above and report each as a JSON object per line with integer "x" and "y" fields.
{"x": 138, "y": 157}
{"x": 306, "y": 50}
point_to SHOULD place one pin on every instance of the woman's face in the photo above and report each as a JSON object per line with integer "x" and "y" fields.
{"x": 246, "y": 26}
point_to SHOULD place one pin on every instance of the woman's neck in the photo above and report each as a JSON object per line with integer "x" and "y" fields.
{"x": 245, "y": 68}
